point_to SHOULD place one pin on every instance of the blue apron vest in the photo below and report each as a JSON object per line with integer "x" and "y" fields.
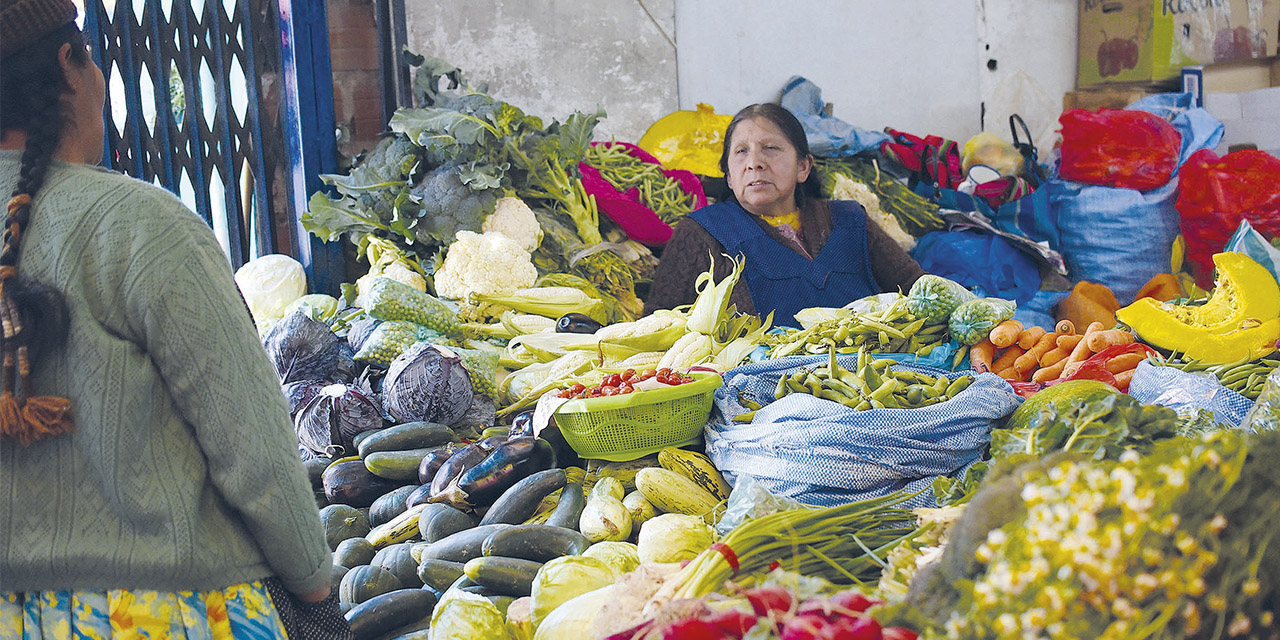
{"x": 783, "y": 281}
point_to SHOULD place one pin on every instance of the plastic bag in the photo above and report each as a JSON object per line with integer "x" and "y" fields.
{"x": 989, "y": 149}
{"x": 1216, "y": 194}
{"x": 1124, "y": 148}
{"x": 973, "y": 320}
{"x": 390, "y": 339}
{"x": 750, "y": 500}
{"x": 689, "y": 140}
{"x": 628, "y": 209}
{"x": 828, "y": 136}
{"x": 1251, "y": 243}
{"x": 1265, "y": 414}
{"x": 985, "y": 263}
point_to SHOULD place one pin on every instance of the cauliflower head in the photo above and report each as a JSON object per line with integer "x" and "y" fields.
{"x": 489, "y": 264}
{"x": 514, "y": 219}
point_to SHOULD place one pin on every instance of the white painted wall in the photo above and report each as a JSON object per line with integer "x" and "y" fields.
{"x": 920, "y": 66}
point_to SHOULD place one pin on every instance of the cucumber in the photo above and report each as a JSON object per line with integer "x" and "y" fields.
{"x": 419, "y": 630}
{"x": 360, "y": 437}
{"x": 400, "y": 465}
{"x": 354, "y": 552}
{"x": 366, "y": 582}
{"x": 567, "y": 512}
{"x": 389, "y": 505}
{"x": 439, "y": 521}
{"x": 520, "y": 501}
{"x": 389, "y": 611}
{"x": 439, "y": 574}
{"x": 536, "y": 542}
{"x": 410, "y": 435}
{"x": 463, "y": 545}
{"x": 507, "y": 576}
{"x": 492, "y": 432}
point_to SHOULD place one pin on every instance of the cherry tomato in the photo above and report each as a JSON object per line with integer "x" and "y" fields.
{"x": 664, "y": 372}
{"x": 608, "y": 390}
{"x": 564, "y": 393}
{"x": 594, "y": 393}
{"x": 612, "y": 380}
{"x": 648, "y": 373}
{"x": 626, "y": 387}
{"x": 577, "y": 388}
{"x": 629, "y": 374}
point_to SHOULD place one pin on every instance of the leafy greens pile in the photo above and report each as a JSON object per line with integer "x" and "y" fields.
{"x": 443, "y": 166}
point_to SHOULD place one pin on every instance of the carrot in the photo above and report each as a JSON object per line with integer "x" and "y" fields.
{"x": 980, "y": 356}
{"x": 1030, "y": 337}
{"x": 1099, "y": 340}
{"x": 1031, "y": 359}
{"x": 1125, "y": 362}
{"x": 1065, "y": 327}
{"x": 1011, "y": 374}
{"x": 1046, "y": 374}
{"x": 1123, "y": 379}
{"x": 1068, "y": 341}
{"x": 1055, "y": 355}
{"x": 1081, "y": 352}
{"x": 1007, "y": 358}
{"x": 1005, "y": 333}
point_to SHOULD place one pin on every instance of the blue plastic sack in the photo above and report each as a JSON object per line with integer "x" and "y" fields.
{"x": 822, "y": 453}
{"x": 828, "y": 136}
{"x": 1038, "y": 311}
{"x": 984, "y": 263}
{"x": 1182, "y": 391}
{"x": 1122, "y": 237}
{"x": 1248, "y": 241}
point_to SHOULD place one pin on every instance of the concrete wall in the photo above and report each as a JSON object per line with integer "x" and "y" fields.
{"x": 923, "y": 66}
{"x": 552, "y": 57}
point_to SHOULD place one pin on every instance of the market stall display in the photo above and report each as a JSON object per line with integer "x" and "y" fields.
{"x": 504, "y": 448}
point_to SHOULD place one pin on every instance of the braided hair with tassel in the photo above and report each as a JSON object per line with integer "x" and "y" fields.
{"x": 33, "y": 316}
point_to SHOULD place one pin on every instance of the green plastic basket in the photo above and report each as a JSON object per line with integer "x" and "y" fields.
{"x": 626, "y": 427}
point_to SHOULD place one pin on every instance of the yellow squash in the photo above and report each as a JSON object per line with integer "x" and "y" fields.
{"x": 1239, "y": 320}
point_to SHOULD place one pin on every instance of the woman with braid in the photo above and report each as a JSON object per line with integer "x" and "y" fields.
{"x": 149, "y": 480}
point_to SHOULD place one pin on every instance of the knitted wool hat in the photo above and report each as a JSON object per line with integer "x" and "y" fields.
{"x": 25, "y": 21}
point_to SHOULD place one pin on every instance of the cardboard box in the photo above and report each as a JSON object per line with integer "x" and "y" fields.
{"x": 1230, "y": 77}
{"x": 1110, "y": 97}
{"x": 1144, "y": 41}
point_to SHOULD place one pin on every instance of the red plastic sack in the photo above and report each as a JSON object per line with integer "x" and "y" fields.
{"x": 638, "y": 221}
{"x": 1216, "y": 193}
{"x": 1123, "y": 148}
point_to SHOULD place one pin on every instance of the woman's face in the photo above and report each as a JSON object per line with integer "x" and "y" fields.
{"x": 764, "y": 168}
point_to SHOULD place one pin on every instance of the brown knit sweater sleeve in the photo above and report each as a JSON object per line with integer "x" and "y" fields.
{"x": 893, "y": 268}
{"x": 686, "y": 256}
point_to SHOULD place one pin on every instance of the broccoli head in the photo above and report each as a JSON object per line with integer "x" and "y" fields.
{"x": 449, "y": 205}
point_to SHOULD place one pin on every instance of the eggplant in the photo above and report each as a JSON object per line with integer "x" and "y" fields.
{"x": 510, "y": 463}
{"x": 465, "y": 458}
{"x": 566, "y": 456}
{"x": 521, "y": 425}
{"x": 576, "y": 323}
{"x": 432, "y": 462}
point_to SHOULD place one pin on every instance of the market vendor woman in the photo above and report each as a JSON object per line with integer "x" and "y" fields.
{"x": 801, "y": 250}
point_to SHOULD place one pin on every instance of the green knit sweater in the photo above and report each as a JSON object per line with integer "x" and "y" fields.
{"x": 182, "y": 472}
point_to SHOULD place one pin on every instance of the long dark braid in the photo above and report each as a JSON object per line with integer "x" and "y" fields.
{"x": 33, "y": 316}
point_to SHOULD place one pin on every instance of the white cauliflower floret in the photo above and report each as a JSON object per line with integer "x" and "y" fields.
{"x": 514, "y": 219}
{"x": 490, "y": 264}
{"x": 847, "y": 188}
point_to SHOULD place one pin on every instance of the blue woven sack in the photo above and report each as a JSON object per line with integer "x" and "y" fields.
{"x": 822, "y": 453}
{"x": 1181, "y": 391}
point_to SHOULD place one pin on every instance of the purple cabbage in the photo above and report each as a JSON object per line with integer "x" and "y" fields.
{"x": 427, "y": 383}
{"x": 305, "y": 349}
{"x": 330, "y": 421}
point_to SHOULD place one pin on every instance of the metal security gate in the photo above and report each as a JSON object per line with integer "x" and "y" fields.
{"x": 203, "y": 99}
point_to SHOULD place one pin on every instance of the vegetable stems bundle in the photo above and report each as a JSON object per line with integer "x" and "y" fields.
{"x": 842, "y": 544}
{"x": 625, "y": 172}
{"x": 916, "y": 214}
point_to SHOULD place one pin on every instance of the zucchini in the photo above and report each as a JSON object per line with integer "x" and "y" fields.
{"x": 389, "y": 611}
{"x": 402, "y": 528}
{"x": 567, "y": 512}
{"x": 389, "y": 505}
{"x": 521, "y": 500}
{"x": 439, "y": 574}
{"x": 399, "y": 465}
{"x": 492, "y": 432}
{"x": 410, "y": 435}
{"x": 536, "y": 542}
{"x": 419, "y": 630}
{"x": 398, "y": 559}
{"x": 508, "y": 576}
{"x": 440, "y": 521}
{"x": 463, "y": 545}
{"x": 353, "y": 552}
